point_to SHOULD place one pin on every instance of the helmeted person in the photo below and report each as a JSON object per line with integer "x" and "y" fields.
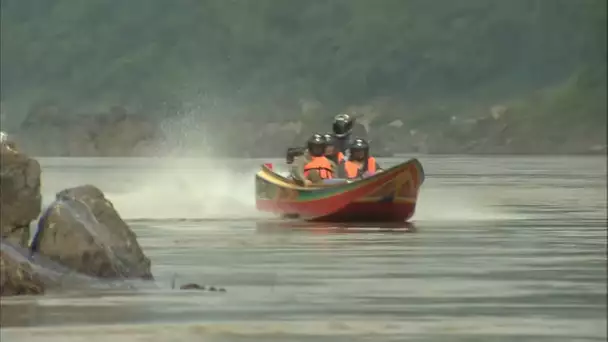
{"x": 313, "y": 166}
{"x": 359, "y": 162}
{"x": 293, "y": 153}
{"x": 343, "y": 128}
{"x": 331, "y": 152}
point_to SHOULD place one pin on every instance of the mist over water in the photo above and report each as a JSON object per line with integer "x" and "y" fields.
{"x": 170, "y": 188}
{"x": 189, "y": 180}
{"x": 189, "y": 193}
{"x": 206, "y": 186}
{"x": 211, "y": 189}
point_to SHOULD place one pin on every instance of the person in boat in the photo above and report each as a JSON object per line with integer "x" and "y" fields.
{"x": 359, "y": 162}
{"x": 313, "y": 166}
{"x": 293, "y": 153}
{"x": 342, "y": 129}
{"x": 331, "y": 152}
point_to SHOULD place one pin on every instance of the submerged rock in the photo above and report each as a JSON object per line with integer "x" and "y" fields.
{"x": 20, "y": 198}
{"x": 82, "y": 231}
{"x": 194, "y": 286}
{"x": 17, "y": 276}
{"x": 23, "y": 272}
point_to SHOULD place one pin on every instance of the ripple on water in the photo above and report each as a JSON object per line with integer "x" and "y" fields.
{"x": 501, "y": 249}
{"x": 469, "y": 329}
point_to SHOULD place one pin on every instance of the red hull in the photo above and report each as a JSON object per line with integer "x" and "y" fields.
{"x": 372, "y": 212}
{"x": 355, "y": 212}
{"x": 388, "y": 196}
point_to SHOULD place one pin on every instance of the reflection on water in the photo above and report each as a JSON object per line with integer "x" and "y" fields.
{"x": 295, "y": 226}
{"x": 504, "y": 254}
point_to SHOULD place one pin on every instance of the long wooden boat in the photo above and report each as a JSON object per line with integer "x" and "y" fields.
{"x": 386, "y": 196}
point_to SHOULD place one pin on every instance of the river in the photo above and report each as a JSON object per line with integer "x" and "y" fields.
{"x": 500, "y": 249}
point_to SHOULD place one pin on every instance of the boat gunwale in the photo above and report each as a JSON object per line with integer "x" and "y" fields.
{"x": 276, "y": 179}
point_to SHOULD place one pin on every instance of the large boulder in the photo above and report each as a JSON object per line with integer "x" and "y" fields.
{"x": 17, "y": 277}
{"x": 82, "y": 231}
{"x": 20, "y": 198}
{"x": 23, "y": 272}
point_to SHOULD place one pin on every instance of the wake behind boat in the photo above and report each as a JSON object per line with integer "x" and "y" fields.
{"x": 386, "y": 196}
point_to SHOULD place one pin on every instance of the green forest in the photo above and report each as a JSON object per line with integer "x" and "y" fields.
{"x": 546, "y": 57}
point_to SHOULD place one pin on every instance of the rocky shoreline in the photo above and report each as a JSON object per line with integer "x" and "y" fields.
{"x": 80, "y": 239}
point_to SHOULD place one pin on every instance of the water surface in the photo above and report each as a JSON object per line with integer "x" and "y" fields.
{"x": 500, "y": 249}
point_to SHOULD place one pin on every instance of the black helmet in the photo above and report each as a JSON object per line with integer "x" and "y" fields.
{"x": 316, "y": 145}
{"x": 359, "y": 145}
{"x": 343, "y": 125}
{"x": 329, "y": 138}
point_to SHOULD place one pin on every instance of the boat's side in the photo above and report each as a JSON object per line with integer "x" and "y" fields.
{"x": 371, "y": 212}
{"x": 277, "y": 194}
{"x": 393, "y": 201}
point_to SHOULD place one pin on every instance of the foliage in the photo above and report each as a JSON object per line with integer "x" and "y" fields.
{"x": 341, "y": 52}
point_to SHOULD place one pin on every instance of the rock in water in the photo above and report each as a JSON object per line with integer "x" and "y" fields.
{"x": 20, "y": 199}
{"x": 82, "y": 231}
{"x": 23, "y": 272}
{"x": 16, "y": 275}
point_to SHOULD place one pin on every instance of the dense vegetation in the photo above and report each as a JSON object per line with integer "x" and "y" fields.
{"x": 340, "y": 52}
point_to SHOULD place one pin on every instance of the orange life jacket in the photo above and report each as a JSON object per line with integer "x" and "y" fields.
{"x": 353, "y": 171}
{"x": 340, "y": 157}
{"x": 320, "y": 164}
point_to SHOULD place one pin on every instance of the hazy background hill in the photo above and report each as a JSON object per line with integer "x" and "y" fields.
{"x": 480, "y": 76}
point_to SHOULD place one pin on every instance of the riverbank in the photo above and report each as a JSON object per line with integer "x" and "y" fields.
{"x": 501, "y": 128}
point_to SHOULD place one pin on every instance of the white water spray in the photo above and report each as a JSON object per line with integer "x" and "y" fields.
{"x": 197, "y": 189}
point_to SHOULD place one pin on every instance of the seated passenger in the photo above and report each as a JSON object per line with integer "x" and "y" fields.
{"x": 313, "y": 166}
{"x": 360, "y": 162}
{"x": 331, "y": 151}
{"x": 294, "y": 152}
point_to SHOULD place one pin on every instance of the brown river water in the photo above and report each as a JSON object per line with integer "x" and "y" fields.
{"x": 500, "y": 249}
